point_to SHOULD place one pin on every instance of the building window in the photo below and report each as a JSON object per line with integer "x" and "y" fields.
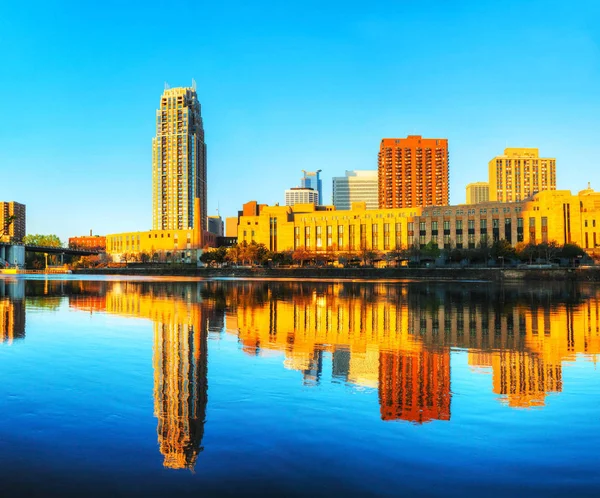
{"x": 363, "y": 236}
{"x": 340, "y": 237}
{"x": 318, "y": 237}
{"x": 398, "y": 235}
{"x": 307, "y": 237}
{"x": 374, "y": 237}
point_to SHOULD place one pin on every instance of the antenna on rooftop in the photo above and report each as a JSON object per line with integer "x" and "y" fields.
{"x": 193, "y": 84}
{"x": 167, "y": 86}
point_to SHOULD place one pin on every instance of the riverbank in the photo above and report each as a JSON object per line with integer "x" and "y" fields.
{"x": 588, "y": 274}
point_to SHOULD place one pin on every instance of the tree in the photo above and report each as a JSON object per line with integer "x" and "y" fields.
{"x": 301, "y": 255}
{"x": 42, "y": 240}
{"x": 431, "y": 250}
{"x": 571, "y": 252}
{"x": 501, "y": 249}
{"x": 233, "y": 254}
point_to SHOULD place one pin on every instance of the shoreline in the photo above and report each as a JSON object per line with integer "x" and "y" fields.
{"x": 588, "y": 274}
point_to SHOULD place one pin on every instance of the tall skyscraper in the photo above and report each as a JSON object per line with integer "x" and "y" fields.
{"x": 313, "y": 180}
{"x": 356, "y": 186}
{"x": 413, "y": 172}
{"x": 179, "y": 162}
{"x": 520, "y": 173}
{"x": 478, "y": 192}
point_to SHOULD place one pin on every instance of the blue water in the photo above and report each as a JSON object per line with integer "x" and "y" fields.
{"x": 138, "y": 387}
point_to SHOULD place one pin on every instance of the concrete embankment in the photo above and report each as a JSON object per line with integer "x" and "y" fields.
{"x": 591, "y": 274}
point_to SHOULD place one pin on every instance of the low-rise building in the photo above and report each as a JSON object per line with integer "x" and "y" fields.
{"x": 552, "y": 215}
{"x": 157, "y": 245}
{"x": 89, "y": 242}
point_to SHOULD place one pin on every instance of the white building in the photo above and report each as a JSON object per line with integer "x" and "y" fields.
{"x": 356, "y": 186}
{"x": 299, "y": 195}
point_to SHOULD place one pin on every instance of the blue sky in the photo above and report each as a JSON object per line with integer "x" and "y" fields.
{"x": 284, "y": 86}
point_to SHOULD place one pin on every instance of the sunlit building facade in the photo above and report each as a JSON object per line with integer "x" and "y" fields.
{"x": 413, "y": 172}
{"x": 301, "y": 195}
{"x": 90, "y": 242}
{"x": 552, "y": 215}
{"x": 356, "y": 186}
{"x": 520, "y": 173}
{"x": 478, "y": 192}
{"x": 179, "y": 162}
{"x": 12, "y": 222}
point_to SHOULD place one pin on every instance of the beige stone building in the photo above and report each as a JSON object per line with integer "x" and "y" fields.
{"x": 548, "y": 216}
{"x": 519, "y": 173}
{"x": 478, "y": 192}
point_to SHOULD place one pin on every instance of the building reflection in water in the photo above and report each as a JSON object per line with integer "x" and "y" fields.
{"x": 398, "y": 338}
{"x": 179, "y": 360}
{"x": 395, "y": 338}
{"x": 12, "y": 310}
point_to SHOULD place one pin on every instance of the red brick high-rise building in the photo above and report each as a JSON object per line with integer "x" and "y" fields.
{"x": 413, "y": 172}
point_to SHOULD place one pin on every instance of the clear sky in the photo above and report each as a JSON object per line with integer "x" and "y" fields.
{"x": 284, "y": 86}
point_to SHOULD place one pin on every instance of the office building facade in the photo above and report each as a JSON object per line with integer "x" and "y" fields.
{"x": 478, "y": 192}
{"x": 413, "y": 172}
{"x": 519, "y": 174}
{"x": 312, "y": 179}
{"x": 356, "y": 186}
{"x": 299, "y": 195}
{"x": 179, "y": 163}
{"x": 215, "y": 225}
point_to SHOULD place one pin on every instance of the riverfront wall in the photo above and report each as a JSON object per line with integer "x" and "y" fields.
{"x": 474, "y": 274}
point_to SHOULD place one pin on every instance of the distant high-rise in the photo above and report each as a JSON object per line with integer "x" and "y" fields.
{"x": 300, "y": 195}
{"x": 413, "y": 172}
{"x": 12, "y": 222}
{"x": 313, "y": 180}
{"x": 520, "y": 173}
{"x": 215, "y": 225}
{"x": 478, "y": 192}
{"x": 179, "y": 162}
{"x": 356, "y": 186}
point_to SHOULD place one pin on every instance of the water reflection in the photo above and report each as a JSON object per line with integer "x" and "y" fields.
{"x": 396, "y": 338}
{"x": 12, "y": 310}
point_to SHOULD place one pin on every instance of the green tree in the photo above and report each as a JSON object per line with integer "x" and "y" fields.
{"x": 571, "y": 252}
{"x": 431, "y": 250}
{"x": 501, "y": 249}
{"x": 42, "y": 240}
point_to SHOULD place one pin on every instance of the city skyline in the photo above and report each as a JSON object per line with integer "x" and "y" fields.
{"x": 288, "y": 89}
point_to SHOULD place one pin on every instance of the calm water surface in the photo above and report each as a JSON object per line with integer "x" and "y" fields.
{"x": 180, "y": 388}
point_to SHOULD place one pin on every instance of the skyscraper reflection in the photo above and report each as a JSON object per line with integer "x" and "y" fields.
{"x": 398, "y": 339}
{"x": 180, "y": 323}
{"x": 180, "y": 386}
